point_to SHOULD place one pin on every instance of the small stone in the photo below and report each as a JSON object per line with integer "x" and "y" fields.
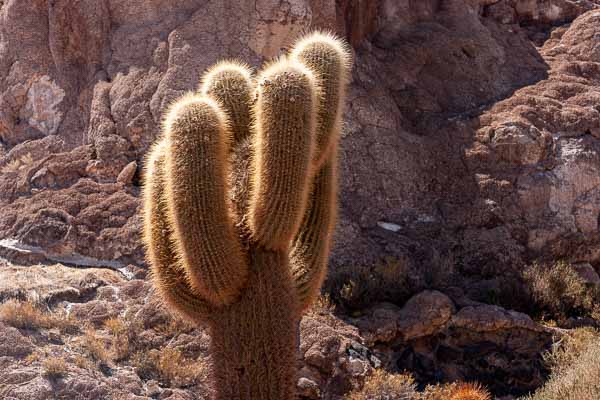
{"x": 126, "y": 175}
{"x": 308, "y": 388}
{"x": 152, "y": 389}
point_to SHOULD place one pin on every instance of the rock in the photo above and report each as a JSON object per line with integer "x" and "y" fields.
{"x": 53, "y": 283}
{"x": 13, "y": 343}
{"x": 381, "y": 324}
{"x": 488, "y": 318}
{"x": 152, "y": 389}
{"x": 308, "y": 389}
{"x": 126, "y": 175}
{"x": 40, "y": 111}
{"x": 96, "y": 312}
{"x": 587, "y": 273}
{"x": 26, "y": 385}
{"x": 424, "y": 314}
{"x": 332, "y": 354}
{"x": 435, "y": 341}
{"x": 80, "y": 115}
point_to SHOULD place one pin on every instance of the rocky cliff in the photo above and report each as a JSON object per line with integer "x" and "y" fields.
{"x": 472, "y": 126}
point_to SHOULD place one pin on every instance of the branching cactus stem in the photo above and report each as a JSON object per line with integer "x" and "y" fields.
{"x": 240, "y": 204}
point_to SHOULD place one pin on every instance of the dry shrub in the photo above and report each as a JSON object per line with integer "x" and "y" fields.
{"x": 120, "y": 338}
{"x": 174, "y": 327}
{"x": 438, "y": 392}
{"x": 94, "y": 347}
{"x": 455, "y": 391}
{"x": 575, "y": 368}
{"x": 25, "y": 315}
{"x": 83, "y": 362}
{"x": 116, "y": 326}
{"x": 323, "y": 305}
{"x": 33, "y": 357}
{"x": 168, "y": 366}
{"x": 385, "y": 386}
{"x": 55, "y": 368}
{"x": 440, "y": 272}
{"x": 559, "y": 292}
{"x": 358, "y": 287}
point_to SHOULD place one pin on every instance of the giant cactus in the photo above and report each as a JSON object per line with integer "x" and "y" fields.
{"x": 240, "y": 205}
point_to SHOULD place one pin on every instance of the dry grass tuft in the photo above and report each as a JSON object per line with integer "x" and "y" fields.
{"x": 168, "y": 366}
{"x": 83, "y": 362}
{"x": 25, "y": 315}
{"x": 385, "y": 386}
{"x": 438, "y": 392}
{"x": 17, "y": 164}
{"x": 323, "y": 305}
{"x": 119, "y": 330}
{"x": 95, "y": 347}
{"x": 174, "y": 327}
{"x": 55, "y": 368}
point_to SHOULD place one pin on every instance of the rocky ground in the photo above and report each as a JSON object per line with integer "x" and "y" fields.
{"x": 108, "y": 329}
{"x": 471, "y": 149}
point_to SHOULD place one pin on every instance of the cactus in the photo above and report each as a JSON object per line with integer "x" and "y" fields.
{"x": 470, "y": 391}
{"x": 240, "y": 204}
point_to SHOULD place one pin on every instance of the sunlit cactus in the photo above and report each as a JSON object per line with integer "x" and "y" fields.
{"x": 470, "y": 391}
{"x": 240, "y": 200}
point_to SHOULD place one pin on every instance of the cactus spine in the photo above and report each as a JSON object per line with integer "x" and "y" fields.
{"x": 470, "y": 391}
{"x": 239, "y": 208}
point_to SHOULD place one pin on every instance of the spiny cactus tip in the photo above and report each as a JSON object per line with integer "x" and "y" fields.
{"x": 224, "y": 66}
{"x": 328, "y": 38}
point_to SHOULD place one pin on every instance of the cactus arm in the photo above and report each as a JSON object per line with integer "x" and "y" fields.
{"x": 311, "y": 246}
{"x": 230, "y": 84}
{"x": 285, "y": 113}
{"x": 330, "y": 60}
{"x": 196, "y": 174}
{"x": 166, "y": 274}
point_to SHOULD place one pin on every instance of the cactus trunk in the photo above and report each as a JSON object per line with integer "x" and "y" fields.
{"x": 254, "y": 340}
